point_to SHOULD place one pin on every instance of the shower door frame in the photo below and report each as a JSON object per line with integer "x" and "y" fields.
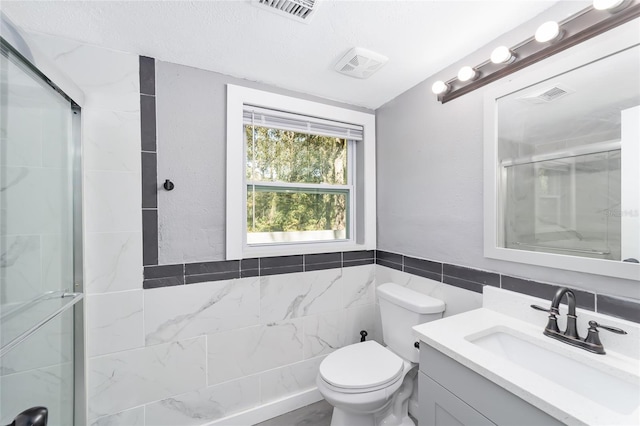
{"x": 18, "y": 44}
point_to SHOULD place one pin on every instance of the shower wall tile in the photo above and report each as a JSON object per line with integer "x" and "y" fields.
{"x": 114, "y": 322}
{"x": 323, "y": 333}
{"x": 294, "y": 378}
{"x": 111, "y": 140}
{"x": 127, "y": 379}
{"x": 247, "y": 351}
{"x": 361, "y": 318}
{"x": 176, "y": 313}
{"x": 131, "y": 417}
{"x": 50, "y": 387}
{"x": 113, "y": 261}
{"x": 296, "y": 295}
{"x": 108, "y": 78}
{"x": 112, "y": 201}
{"x": 18, "y": 255}
{"x": 204, "y": 405}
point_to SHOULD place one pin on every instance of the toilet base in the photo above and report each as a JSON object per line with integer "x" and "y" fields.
{"x": 345, "y": 418}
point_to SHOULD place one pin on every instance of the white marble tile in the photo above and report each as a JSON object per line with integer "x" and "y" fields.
{"x": 296, "y": 295}
{"x": 114, "y": 322}
{"x": 57, "y": 262}
{"x": 173, "y": 313}
{"x": 239, "y": 353}
{"x": 20, "y": 139}
{"x": 51, "y": 387}
{"x": 127, "y": 379}
{"x": 323, "y": 333}
{"x": 20, "y": 268}
{"x": 111, "y": 140}
{"x": 358, "y": 285}
{"x": 38, "y": 200}
{"x": 205, "y": 405}
{"x": 280, "y": 382}
{"x": 132, "y": 417}
{"x": 112, "y": 202}
{"x": 361, "y": 318}
{"x": 108, "y": 78}
{"x": 113, "y": 261}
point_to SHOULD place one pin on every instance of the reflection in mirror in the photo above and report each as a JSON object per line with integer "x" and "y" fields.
{"x": 568, "y": 155}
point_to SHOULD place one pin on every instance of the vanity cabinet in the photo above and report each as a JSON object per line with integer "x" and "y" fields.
{"x": 452, "y": 394}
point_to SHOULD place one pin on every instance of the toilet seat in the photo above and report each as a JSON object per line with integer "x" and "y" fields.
{"x": 361, "y": 367}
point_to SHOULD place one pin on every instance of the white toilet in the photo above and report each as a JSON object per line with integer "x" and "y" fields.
{"x": 369, "y": 384}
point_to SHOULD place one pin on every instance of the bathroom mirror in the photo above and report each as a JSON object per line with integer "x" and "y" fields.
{"x": 562, "y": 160}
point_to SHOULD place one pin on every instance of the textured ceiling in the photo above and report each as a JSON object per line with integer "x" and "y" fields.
{"x": 236, "y": 38}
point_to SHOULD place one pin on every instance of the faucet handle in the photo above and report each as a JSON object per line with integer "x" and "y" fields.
{"x": 594, "y": 325}
{"x": 540, "y": 308}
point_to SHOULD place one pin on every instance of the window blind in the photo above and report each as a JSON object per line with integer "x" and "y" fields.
{"x": 275, "y": 119}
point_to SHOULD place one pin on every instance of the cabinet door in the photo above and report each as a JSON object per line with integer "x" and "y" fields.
{"x": 439, "y": 407}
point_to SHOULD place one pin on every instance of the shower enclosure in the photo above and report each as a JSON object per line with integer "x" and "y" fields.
{"x": 41, "y": 294}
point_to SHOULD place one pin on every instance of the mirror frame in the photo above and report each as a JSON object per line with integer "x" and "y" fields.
{"x": 613, "y": 41}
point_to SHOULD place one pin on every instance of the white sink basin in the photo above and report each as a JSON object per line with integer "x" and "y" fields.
{"x": 616, "y": 390}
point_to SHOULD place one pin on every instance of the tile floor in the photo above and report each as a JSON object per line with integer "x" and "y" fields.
{"x": 318, "y": 414}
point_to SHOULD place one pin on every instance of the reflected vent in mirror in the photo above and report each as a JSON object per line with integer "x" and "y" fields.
{"x": 553, "y": 93}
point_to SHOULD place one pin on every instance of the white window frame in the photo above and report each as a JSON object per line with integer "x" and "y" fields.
{"x": 363, "y": 223}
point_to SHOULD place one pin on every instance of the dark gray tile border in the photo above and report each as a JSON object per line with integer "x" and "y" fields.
{"x": 389, "y": 257}
{"x": 467, "y": 285}
{"x": 436, "y": 276}
{"x": 346, "y": 264}
{"x": 149, "y": 180}
{"x": 584, "y": 299}
{"x": 388, "y": 264}
{"x": 201, "y": 278}
{"x": 149, "y": 237}
{"x": 349, "y": 256}
{"x": 163, "y": 271}
{"x": 253, "y": 263}
{"x": 434, "y": 268}
{"x": 280, "y": 270}
{"x": 163, "y": 282}
{"x": 273, "y": 262}
{"x": 619, "y": 308}
{"x": 148, "y": 122}
{"x": 471, "y": 275}
{"x": 314, "y": 259}
{"x": 147, "y": 75}
{"x": 321, "y": 266}
{"x": 247, "y": 273}
{"x": 223, "y": 266}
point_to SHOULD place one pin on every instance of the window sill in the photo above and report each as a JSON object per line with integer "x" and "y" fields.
{"x": 295, "y": 249}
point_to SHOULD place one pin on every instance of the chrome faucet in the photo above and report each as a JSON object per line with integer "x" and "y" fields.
{"x": 570, "y": 335}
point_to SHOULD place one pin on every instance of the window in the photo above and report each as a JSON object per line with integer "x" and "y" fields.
{"x": 296, "y": 176}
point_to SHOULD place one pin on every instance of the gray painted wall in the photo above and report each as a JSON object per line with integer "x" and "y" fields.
{"x": 430, "y": 179}
{"x": 191, "y": 128}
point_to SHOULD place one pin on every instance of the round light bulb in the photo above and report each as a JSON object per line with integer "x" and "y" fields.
{"x": 547, "y": 31}
{"x": 606, "y": 4}
{"x": 466, "y": 73}
{"x": 439, "y": 87}
{"x": 501, "y": 55}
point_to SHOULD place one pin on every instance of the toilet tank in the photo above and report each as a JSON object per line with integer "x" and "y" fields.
{"x": 401, "y": 309}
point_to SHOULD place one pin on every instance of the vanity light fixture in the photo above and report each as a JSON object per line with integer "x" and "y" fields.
{"x": 550, "y": 38}
{"x": 502, "y": 55}
{"x": 549, "y": 31}
{"x": 467, "y": 73}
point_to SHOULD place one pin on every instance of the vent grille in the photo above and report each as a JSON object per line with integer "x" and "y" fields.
{"x": 300, "y": 10}
{"x": 360, "y": 63}
{"x": 548, "y": 95}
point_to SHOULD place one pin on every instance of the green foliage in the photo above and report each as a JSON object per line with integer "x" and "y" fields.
{"x": 284, "y": 156}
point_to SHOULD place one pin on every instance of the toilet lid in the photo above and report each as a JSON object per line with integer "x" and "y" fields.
{"x": 361, "y": 365}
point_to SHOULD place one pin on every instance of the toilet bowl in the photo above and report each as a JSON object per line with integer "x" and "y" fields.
{"x": 369, "y": 384}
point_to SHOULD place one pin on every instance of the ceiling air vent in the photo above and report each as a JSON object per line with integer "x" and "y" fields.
{"x": 547, "y": 95}
{"x": 360, "y": 63}
{"x": 300, "y": 10}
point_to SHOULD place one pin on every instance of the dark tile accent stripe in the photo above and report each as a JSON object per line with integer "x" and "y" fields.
{"x": 436, "y": 276}
{"x": 273, "y": 262}
{"x": 458, "y": 273}
{"x": 163, "y": 271}
{"x": 149, "y": 180}
{"x": 149, "y": 237}
{"x": 310, "y": 259}
{"x": 280, "y": 270}
{"x": 147, "y": 75}
{"x": 201, "y": 278}
{"x": 148, "y": 122}
{"x": 389, "y": 264}
{"x": 212, "y": 267}
{"x": 389, "y": 257}
{"x": 320, "y": 266}
{"x": 250, "y": 263}
{"x": 346, "y": 264}
{"x": 467, "y": 285}
{"x": 619, "y": 308}
{"x": 349, "y": 256}
{"x": 163, "y": 282}
{"x": 546, "y": 291}
{"x": 423, "y": 268}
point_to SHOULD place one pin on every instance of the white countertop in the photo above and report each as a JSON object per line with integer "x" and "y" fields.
{"x": 449, "y": 336}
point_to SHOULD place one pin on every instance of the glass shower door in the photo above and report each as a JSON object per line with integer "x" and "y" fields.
{"x": 39, "y": 289}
